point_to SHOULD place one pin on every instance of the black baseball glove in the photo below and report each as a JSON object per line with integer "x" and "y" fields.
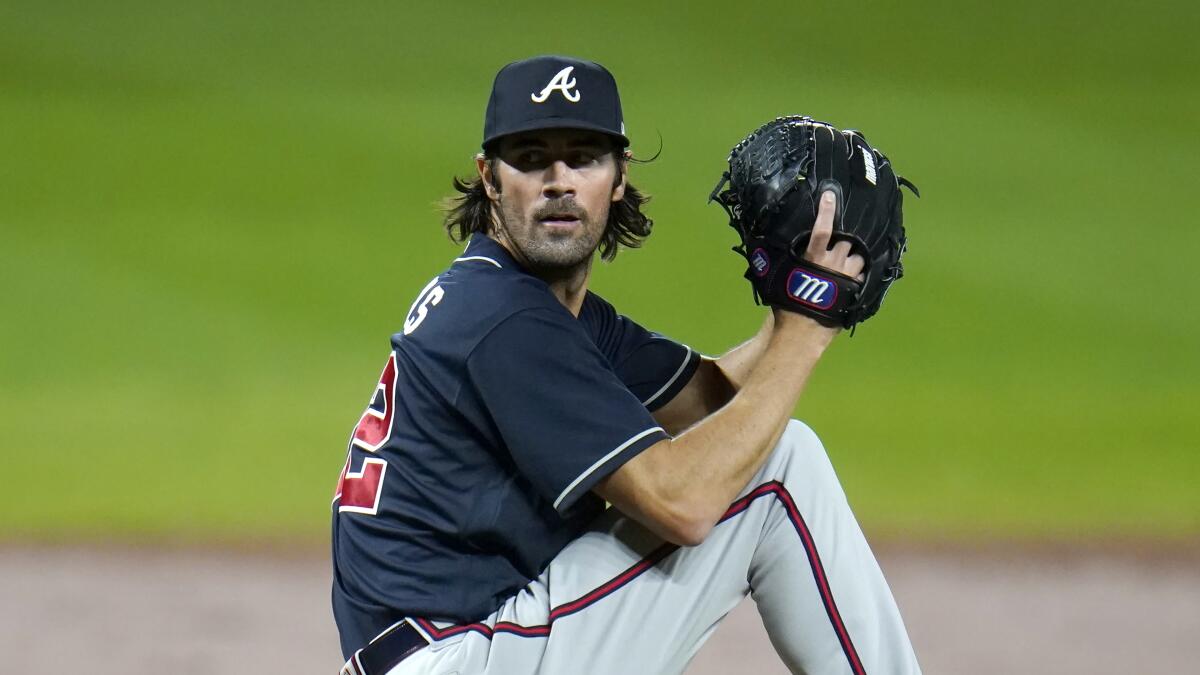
{"x": 775, "y": 180}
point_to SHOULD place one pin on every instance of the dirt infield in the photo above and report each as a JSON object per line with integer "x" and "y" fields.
{"x": 105, "y": 611}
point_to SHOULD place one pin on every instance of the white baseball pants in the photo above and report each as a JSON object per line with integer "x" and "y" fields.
{"x": 620, "y": 601}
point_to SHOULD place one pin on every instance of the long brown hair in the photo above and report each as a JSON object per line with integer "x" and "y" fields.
{"x": 471, "y": 212}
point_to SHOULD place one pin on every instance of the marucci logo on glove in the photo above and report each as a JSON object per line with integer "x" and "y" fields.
{"x": 811, "y": 290}
{"x": 761, "y": 262}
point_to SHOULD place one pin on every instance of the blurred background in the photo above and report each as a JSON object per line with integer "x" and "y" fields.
{"x": 214, "y": 214}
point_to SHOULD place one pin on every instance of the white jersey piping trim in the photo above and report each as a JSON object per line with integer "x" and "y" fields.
{"x": 686, "y": 359}
{"x": 601, "y": 462}
{"x": 478, "y": 257}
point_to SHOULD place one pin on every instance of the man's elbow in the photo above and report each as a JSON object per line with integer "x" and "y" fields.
{"x": 685, "y": 526}
{"x": 690, "y": 536}
{"x": 675, "y": 510}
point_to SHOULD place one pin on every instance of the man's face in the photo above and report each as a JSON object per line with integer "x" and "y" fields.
{"x": 555, "y": 188}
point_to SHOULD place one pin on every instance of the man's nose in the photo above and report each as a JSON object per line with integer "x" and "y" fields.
{"x": 559, "y": 180}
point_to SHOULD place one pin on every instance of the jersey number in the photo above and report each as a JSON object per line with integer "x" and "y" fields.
{"x": 358, "y": 491}
{"x": 429, "y": 297}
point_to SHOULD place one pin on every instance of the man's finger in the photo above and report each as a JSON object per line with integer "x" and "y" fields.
{"x": 854, "y": 266}
{"x": 823, "y": 228}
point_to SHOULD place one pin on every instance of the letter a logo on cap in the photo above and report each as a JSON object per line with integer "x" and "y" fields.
{"x": 561, "y": 83}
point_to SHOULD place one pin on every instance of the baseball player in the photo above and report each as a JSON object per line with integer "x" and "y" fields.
{"x": 472, "y": 527}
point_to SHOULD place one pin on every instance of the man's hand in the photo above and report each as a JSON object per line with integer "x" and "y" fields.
{"x": 717, "y": 381}
{"x": 839, "y": 259}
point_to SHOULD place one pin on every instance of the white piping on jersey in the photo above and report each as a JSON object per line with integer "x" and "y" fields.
{"x": 602, "y": 461}
{"x": 686, "y": 358}
{"x": 478, "y": 257}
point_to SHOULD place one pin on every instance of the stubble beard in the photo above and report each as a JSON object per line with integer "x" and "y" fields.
{"x": 544, "y": 251}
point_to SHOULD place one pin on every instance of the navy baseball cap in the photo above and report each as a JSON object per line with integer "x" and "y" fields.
{"x": 553, "y": 92}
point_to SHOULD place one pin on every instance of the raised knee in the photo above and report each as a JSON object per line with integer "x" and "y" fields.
{"x": 799, "y": 443}
{"x": 799, "y": 433}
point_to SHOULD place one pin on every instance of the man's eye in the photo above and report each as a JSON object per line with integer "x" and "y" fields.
{"x": 530, "y": 158}
{"x": 583, "y": 158}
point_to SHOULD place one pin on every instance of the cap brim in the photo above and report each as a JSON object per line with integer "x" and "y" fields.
{"x": 556, "y": 123}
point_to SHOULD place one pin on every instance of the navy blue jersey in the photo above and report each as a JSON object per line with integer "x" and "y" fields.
{"x": 496, "y": 414}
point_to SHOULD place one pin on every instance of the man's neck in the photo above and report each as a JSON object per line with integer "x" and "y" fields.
{"x": 569, "y": 286}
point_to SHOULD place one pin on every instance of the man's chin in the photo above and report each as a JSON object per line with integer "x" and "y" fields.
{"x": 561, "y": 257}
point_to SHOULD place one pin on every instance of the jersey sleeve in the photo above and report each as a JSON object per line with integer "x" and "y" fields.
{"x": 567, "y": 419}
{"x": 653, "y": 367}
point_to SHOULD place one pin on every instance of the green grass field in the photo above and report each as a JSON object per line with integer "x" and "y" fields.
{"x": 212, "y": 216}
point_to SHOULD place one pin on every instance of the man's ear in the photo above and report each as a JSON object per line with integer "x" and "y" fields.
{"x": 490, "y": 185}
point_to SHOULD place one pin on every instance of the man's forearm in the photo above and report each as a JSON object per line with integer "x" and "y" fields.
{"x": 739, "y": 362}
{"x": 681, "y": 487}
{"x": 724, "y": 450}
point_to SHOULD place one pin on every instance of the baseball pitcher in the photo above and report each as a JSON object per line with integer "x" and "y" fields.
{"x": 542, "y": 485}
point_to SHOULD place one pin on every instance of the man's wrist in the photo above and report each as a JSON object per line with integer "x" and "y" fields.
{"x": 794, "y": 326}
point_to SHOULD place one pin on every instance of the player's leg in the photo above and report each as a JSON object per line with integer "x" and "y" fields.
{"x": 616, "y": 600}
{"x": 619, "y": 600}
{"x": 790, "y": 539}
{"x": 843, "y": 618}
